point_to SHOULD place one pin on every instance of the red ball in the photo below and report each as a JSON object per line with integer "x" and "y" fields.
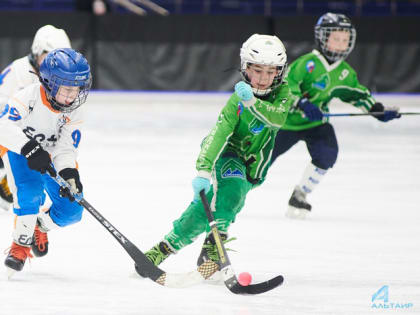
{"x": 244, "y": 278}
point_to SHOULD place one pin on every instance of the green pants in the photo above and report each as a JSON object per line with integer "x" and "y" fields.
{"x": 226, "y": 197}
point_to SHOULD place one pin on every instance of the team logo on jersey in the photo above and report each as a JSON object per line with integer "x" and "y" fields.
{"x": 256, "y": 126}
{"x": 322, "y": 83}
{"x": 62, "y": 121}
{"x": 310, "y": 66}
{"x": 240, "y": 109}
{"x": 232, "y": 168}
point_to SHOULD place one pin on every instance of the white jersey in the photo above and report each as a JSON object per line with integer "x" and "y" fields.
{"x": 15, "y": 77}
{"x": 28, "y": 114}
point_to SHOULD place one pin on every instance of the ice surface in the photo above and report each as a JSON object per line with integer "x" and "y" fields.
{"x": 137, "y": 160}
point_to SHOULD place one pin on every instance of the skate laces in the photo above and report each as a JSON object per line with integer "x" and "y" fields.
{"x": 19, "y": 252}
{"x": 41, "y": 239}
{"x": 211, "y": 249}
{"x": 155, "y": 255}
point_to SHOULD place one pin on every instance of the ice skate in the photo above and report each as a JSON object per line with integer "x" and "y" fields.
{"x": 6, "y": 197}
{"x": 16, "y": 258}
{"x": 298, "y": 206}
{"x": 209, "y": 252}
{"x": 40, "y": 242}
{"x": 10, "y": 273}
{"x": 157, "y": 254}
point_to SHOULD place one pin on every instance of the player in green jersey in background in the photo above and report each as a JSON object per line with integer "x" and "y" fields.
{"x": 237, "y": 152}
{"x": 316, "y": 78}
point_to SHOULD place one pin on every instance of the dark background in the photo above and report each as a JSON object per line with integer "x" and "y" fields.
{"x": 200, "y": 52}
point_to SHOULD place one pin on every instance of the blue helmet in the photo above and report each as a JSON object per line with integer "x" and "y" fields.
{"x": 65, "y": 67}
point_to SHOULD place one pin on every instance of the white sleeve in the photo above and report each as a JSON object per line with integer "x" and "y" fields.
{"x": 8, "y": 84}
{"x": 14, "y": 78}
{"x": 64, "y": 153}
{"x": 11, "y": 117}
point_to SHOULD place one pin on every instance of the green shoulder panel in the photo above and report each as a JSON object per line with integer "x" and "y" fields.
{"x": 298, "y": 72}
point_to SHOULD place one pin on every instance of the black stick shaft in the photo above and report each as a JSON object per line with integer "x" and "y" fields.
{"x": 138, "y": 256}
{"x": 363, "y": 114}
{"x": 224, "y": 259}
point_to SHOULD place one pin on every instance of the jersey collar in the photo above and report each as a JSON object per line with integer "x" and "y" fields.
{"x": 45, "y": 100}
{"x": 327, "y": 66}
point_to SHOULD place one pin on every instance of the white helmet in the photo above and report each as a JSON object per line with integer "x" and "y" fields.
{"x": 48, "y": 38}
{"x": 264, "y": 50}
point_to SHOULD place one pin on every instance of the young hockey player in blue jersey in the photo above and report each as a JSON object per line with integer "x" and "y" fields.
{"x": 40, "y": 126}
{"x": 316, "y": 78}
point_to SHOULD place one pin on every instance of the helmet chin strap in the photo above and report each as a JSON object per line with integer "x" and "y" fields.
{"x": 260, "y": 92}
{"x": 53, "y": 102}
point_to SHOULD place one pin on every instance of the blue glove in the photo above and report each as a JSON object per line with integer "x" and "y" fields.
{"x": 388, "y": 113}
{"x": 198, "y": 184}
{"x": 312, "y": 112}
{"x": 244, "y": 91}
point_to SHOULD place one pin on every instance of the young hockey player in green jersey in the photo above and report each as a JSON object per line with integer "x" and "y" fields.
{"x": 237, "y": 152}
{"x": 316, "y": 78}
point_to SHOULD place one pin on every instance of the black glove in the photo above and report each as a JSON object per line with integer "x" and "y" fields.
{"x": 38, "y": 159}
{"x": 388, "y": 113}
{"x": 71, "y": 176}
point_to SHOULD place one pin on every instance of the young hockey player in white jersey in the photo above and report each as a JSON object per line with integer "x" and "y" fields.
{"x": 21, "y": 73}
{"x": 41, "y": 125}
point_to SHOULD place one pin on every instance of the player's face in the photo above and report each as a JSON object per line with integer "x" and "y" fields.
{"x": 261, "y": 76}
{"x": 338, "y": 41}
{"x": 67, "y": 94}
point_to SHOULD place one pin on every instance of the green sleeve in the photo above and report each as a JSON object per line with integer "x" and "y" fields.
{"x": 218, "y": 138}
{"x": 360, "y": 96}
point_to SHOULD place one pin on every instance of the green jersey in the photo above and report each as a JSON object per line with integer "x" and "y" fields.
{"x": 311, "y": 76}
{"x": 247, "y": 132}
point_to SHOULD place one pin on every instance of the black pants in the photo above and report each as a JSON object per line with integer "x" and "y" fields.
{"x": 320, "y": 141}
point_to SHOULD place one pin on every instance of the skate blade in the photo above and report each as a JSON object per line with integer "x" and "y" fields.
{"x": 296, "y": 213}
{"x": 4, "y": 205}
{"x": 215, "y": 279}
{"x": 10, "y": 273}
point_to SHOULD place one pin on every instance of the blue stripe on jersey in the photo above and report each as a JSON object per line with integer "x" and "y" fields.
{"x": 4, "y": 74}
